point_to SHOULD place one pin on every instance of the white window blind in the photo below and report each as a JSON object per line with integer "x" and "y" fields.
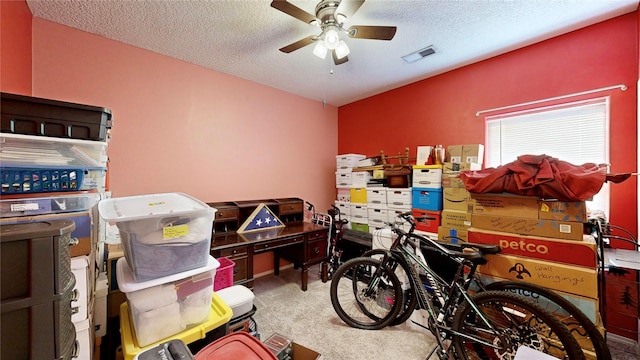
{"x": 575, "y": 132}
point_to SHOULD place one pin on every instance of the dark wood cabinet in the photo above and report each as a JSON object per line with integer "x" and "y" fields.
{"x": 303, "y": 244}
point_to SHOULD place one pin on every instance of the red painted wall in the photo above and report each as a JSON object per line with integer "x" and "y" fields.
{"x": 442, "y": 109}
{"x": 15, "y": 47}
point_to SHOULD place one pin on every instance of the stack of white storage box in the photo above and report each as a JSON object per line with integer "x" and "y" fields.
{"x": 167, "y": 273}
{"x": 344, "y": 184}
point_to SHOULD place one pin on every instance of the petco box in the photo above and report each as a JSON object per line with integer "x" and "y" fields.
{"x": 345, "y": 162}
{"x": 427, "y": 199}
{"x": 427, "y": 176}
{"x": 166, "y": 306}
{"x": 581, "y": 253}
{"x": 162, "y": 234}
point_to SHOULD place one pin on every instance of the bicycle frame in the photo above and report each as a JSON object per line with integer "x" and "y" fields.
{"x": 406, "y": 248}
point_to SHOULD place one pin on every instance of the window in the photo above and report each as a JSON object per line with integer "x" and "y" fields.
{"x": 575, "y": 132}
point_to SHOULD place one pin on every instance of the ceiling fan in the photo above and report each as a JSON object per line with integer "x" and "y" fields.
{"x": 330, "y": 16}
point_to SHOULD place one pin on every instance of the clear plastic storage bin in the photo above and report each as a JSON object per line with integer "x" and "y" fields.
{"x": 162, "y": 234}
{"x": 166, "y": 306}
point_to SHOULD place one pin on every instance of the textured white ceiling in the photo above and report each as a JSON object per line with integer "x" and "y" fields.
{"x": 242, "y": 37}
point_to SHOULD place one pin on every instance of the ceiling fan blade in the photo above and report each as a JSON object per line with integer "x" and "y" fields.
{"x": 290, "y": 9}
{"x": 339, "y": 61}
{"x": 298, "y": 44}
{"x": 372, "y": 32}
{"x": 349, "y": 7}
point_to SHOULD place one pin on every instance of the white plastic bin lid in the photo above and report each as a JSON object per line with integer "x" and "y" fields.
{"x": 153, "y": 205}
{"x": 126, "y": 282}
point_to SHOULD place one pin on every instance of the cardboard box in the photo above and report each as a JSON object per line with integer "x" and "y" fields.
{"x": 449, "y": 167}
{"x": 505, "y": 205}
{"x": 572, "y": 279}
{"x": 444, "y": 234}
{"x": 456, "y": 199}
{"x": 580, "y": 253}
{"x": 300, "y": 352}
{"x": 473, "y": 153}
{"x": 546, "y": 228}
{"x": 454, "y": 154}
{"x": 562, "y": 210}
{"x": 451, "y": 180}
{"x": 456, "y": 219}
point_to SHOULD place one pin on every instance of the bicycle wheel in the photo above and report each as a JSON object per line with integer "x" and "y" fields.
{"x": 518, "y": 322}
{"x": 409, "y": 297}
{"x": 363, "y": 294}
{"x": 580, "y": 326}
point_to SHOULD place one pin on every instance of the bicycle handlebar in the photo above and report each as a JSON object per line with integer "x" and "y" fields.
{"x": 469, "y": 253}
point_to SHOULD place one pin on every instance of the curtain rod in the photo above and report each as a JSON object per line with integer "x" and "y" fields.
{"x": 622, "y": 87}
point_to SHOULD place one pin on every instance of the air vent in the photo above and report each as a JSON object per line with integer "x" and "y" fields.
{"x": 417, "y": 55}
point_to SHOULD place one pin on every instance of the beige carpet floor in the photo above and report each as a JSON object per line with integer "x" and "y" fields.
{"x": 308, "y": 318}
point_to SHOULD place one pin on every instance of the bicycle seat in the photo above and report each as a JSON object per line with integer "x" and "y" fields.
{"x": 485, "y": 249}
{"x": 475, "y": 256}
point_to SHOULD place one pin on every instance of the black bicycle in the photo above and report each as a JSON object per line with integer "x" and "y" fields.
{"x": 366, "y": 293}
{"x": 334, "y": 221}
{"x": 587, "y": 334}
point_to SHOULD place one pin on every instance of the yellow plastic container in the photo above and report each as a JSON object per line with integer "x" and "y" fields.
{"x": 220, "y": 314}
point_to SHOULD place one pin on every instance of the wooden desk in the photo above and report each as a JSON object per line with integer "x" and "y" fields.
{"x": 304, "y": 244}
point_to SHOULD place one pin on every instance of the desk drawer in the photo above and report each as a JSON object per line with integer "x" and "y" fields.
{"x": 322, "y": 234}
{"x": 290, "y": 208}
{"x": 317, "y": 249}
{"x": 278, "y": 243}
{"x": 226, "y": 214}
{"x": 240, "y": 270}
{"x": 233, "y": 252}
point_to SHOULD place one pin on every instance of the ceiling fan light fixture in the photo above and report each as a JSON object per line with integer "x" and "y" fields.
{"x": 320, "y": 50}
{"x": 342, "y": 49}
{"x": 331, "y": 38}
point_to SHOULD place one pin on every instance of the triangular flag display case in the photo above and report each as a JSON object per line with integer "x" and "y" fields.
{"x": 262, "y": 218}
